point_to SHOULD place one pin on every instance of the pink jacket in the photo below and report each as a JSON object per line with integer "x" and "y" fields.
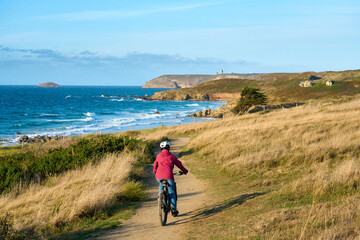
{"x": 164, "y": 165}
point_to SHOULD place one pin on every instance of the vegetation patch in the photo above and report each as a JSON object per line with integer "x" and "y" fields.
{"x": 85, "y": 187}
{"x": 23, "y": 168}
{"x": 249, "y": 97}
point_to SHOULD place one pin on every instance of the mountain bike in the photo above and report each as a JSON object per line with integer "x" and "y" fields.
{"x": 164, "y": 200}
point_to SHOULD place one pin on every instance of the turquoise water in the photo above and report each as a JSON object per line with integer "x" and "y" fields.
{"x": 75, "y": 110}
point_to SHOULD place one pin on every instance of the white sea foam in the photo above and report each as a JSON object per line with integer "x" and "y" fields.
{"x": 182, "y": 114}
{"x": 140, "y": 116}
{"x": 117, "y": 100}
{"x": 87, "y": 119}
{"x": 193, "y": 105}
{"x": 89, "y": 114}
{"x": 72, "y": 120}
{"x": 68, "y": 96}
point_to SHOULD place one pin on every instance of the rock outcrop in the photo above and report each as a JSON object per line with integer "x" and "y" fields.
{"x": 48, "y": 84}
{"x": 38, "y": 139}
{"x": 329, "y": 83}
{"x": 307, "y": 83}
{"x": 169, "y": 96}
{"x": 203, "y": 113}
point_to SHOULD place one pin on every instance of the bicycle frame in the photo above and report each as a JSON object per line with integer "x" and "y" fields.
{"x": 164, "y": 200}
{"x": 167, "y": 197}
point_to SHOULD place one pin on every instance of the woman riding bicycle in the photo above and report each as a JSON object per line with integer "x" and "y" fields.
{"x": 163, "y": 169}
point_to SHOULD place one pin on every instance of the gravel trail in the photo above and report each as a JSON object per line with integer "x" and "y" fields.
{"x": 145, "y": 223}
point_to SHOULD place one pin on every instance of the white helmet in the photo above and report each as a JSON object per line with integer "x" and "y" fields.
{"x": 164, "y": 144}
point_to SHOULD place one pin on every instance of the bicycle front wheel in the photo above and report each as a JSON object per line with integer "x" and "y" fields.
{"x": 163, "y": 212}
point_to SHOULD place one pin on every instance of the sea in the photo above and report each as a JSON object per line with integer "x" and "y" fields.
{"x": 78, "y": 110}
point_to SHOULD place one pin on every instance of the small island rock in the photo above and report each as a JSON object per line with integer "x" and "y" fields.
{"x": 48, "y": 84}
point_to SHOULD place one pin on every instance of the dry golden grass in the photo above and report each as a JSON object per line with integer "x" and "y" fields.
{"x": 304, "y": 134}
{"x": 67, "y": 197}
{"x": 305, "y": 154}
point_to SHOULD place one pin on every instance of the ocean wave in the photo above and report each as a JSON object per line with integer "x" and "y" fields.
{"x": 141, "y": 116}
{"x": 48, "y": 115}
{"x": 72, "y": 120}
{"x": 68, "y": 96}
{"x": 89, "y": 114}
{"x": 87, "y": 119}
{"x": 117, "y": 100}
{"x": 116, "y": 123}
{"x": 108, "y": 118}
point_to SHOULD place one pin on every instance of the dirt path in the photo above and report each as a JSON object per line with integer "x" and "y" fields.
{"x": 145, "y": 223}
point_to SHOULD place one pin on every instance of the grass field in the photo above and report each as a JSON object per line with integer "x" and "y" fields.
{"x": 286, "y": 174}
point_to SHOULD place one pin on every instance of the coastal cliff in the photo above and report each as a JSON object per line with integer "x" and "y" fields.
{"x": 279, "y": 87}
{"x": 190, "y": 80}
{"x": 177, "y": 81}
{"x": 48, "y": 84}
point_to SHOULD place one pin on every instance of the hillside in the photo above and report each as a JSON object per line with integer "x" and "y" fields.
{"x": 279, "y": 87}
{"x": 185, "y": 81}
{"x": 286, "y": 174}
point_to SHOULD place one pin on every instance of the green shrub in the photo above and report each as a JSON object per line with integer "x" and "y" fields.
{"x": 133, "y": 191}
{"x": 249, "y": 97}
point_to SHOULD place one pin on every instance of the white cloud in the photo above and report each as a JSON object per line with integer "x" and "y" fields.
{"x": 88, "y": 58}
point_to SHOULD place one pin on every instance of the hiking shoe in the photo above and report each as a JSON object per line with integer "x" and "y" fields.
{"x": 175, "y": 213}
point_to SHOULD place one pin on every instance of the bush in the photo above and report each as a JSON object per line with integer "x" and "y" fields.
{"x": 249, "y": 97}
{"x": 23, "y": 168}
{"x": 133, "y": 191}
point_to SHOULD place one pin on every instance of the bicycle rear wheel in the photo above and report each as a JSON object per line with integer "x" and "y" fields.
{"x": 163, "y": 211}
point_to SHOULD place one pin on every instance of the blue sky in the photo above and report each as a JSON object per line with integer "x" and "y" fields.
{"x": 113, "y": 42}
